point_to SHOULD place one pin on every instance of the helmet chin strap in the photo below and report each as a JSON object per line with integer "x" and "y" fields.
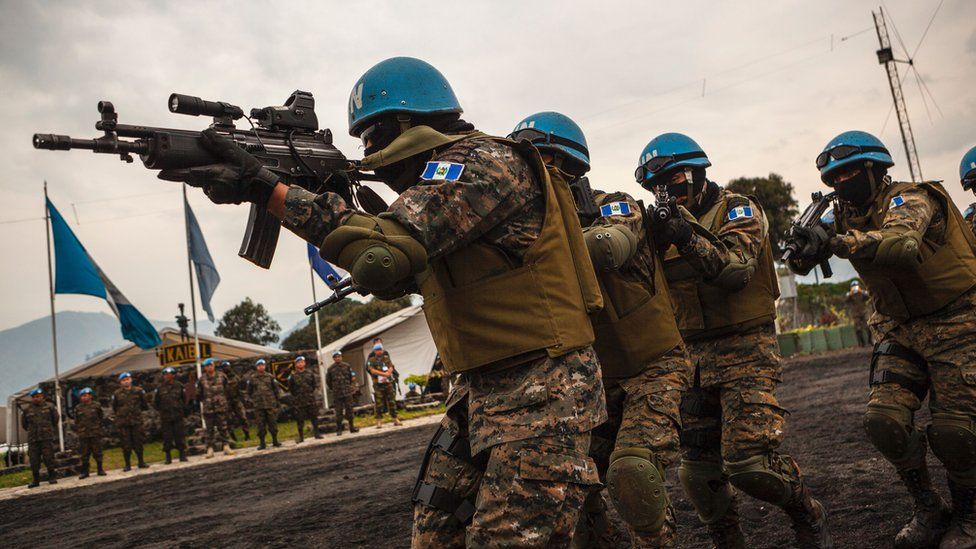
{"x": 690, "y": 179}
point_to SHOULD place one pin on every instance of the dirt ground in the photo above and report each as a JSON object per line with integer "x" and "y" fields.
{"x": 356, "y": 494}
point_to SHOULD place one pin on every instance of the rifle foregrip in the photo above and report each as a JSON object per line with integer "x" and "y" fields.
{"x": 825, "y": 268}
{"x": 260, "y": 237}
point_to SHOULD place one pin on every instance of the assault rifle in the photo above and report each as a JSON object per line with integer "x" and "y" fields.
{"x": 663, "y": 204}
{"x": 809, "y": 219}
{"x": 286, "y": 139}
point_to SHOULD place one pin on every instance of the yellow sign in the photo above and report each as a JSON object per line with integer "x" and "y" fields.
{"x": 182, "y": 353}
{"x": 281, "y": 370}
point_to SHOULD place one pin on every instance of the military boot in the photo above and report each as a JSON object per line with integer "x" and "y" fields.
{"x": 247, "y": 434}
{"x": 315, "y": 429}
{"x": 183, "y": 455}
{"x": 83, "y": 474}
{"x": 98, "y": 468}
{"x": 962, "y": 532}
{"x": 301, "y": 435}
{"x": 261, "y": 444}
{"x": 930, "y": 517}
{"x": 726, "y": 533}
{"x": 169, "y": 458}
{"x": 809, "y": 521}
{"x": 128, "y": 461}
{"x": 274, "y": 440}
{"x": 52, "y": 477}
{"x": 142, "y": 464}
{"x": 210, "y": 452}
{"x": 36, "y": 475}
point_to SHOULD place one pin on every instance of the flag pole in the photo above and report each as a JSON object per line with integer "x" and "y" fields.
{"x": 54, "y": 323}
{"x": 193, "y": 300}
{"x": 318, "y": 341}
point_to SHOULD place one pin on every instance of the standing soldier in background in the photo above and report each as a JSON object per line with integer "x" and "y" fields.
{"x": 40, "y": 420}
{"x": 263, "y": 391}
{"x": 302, "y": 384}
{"x": 381, "y": 368}
{"x": 212, "y": 392}
{"x": 341, "y": 380}
{"x": 645, "y": 368}
{"x": 168, "y": 401}
{"x": 859, "y": 309}
{"x": 88, "y": 427}
{"x": 128, "y": 402}
{"x": 235, "y": 401}
{"x": 913, "y": 249}
{"x": 507, "y": 287}
{"x": 719, "y": 266}
{"x": 967, "y": 176}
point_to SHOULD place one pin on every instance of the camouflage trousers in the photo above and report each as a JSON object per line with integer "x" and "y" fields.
{"x": 240, "y": 414}
{"x": 217, "y": 431}
{"x": 38, "y": 451}
{"x": 947, "y": 342}
{"x": 384, "y": 397}
{"x": 173, "y": 431}
{"x": 643, "y": 413}
{"x": 343, "y": 410}
{"x": 526, "y": 490}
{"x": 731, "y": 412}
{"x": 89, "y": 447}
{"x": 130, "y": 438}
{"x": 267, "y": 420}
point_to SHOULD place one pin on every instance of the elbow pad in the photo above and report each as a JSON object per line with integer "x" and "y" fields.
{"x": 610, "y": 246}
{"x": 735, "y": 276}
{"x": 898, "y": 249}
{"x": 377, "y": 252}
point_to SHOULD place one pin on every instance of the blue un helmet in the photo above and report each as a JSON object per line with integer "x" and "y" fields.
{"x": 37, "y": 391}
{"x": 967, "y": 170}
{"x": 556, "y": 133}
{"x": 85, "y": 391}
{"x": 169, "y": 370}
{"x": 124, "y": 375}
{"x": 666, "y": 153}
{"x": 399, "y": 85}
{"x": 852, "y": 147}
{"x": 208, "y": 362}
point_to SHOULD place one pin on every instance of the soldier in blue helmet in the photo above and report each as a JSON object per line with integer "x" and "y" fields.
{"x": 128, "y": 403}
{"x": 169, "y": 400}
{"x": 89, "y": 418}
{"x": 917, "y": 256}
{"x": 507, "y": 290}
{"x": 719, "y": 266}
{"x": 644, "y": 377}
{"x": 40, "y": 420}
{"x": 967, "y": 176}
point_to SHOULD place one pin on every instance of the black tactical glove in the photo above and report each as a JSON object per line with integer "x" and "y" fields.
{"x": 239, "y": 178}
{"x": 814, "y": 241}
{"x": 675, "y": 231}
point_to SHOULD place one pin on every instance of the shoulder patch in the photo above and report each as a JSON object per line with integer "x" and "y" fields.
{"x": 446, "y": 171}
{"x": 615, "y": 208}
{"x": 896, "y": 201}
{"x": 740, "y": 212}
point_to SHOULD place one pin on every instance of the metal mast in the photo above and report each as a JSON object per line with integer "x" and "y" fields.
{"x": 887, "y": 58}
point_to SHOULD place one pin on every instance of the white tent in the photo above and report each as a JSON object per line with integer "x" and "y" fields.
{"x": 405, "y": 336}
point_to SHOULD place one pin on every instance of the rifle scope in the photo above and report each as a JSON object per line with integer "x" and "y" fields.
{"x": 194, "y": 106}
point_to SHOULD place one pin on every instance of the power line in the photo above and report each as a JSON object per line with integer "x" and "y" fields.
{"x": 23, "y": 220}
{"x": 927, "y": 27}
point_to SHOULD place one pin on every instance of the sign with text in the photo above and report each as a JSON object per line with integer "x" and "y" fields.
{"x": 182, "y": 353}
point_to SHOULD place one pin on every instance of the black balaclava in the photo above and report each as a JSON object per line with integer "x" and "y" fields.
{"x": 859, "y": 190}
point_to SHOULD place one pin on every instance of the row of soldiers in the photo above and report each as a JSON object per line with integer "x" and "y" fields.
{"x": 597, "y": 344}
{"x": 217, "y": 396}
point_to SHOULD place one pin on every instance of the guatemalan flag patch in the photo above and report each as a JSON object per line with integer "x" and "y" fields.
{"x": 446, "y": 171}
{"x": 615, "y": 208}
{"x": 742, "y": 212}
{"x": 896, "y": 201}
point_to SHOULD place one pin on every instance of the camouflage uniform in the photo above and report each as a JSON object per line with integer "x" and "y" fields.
{"x": 88, "y": 427}
{"x": 929, "y": 354}
{"x": 235, "y": 401}
{"x": 128, "y": 404}
{"x": 643, "y": 409}
{"x": 859, "y": 309}
{"x": 731, "y": 419}
{"x": 168, "y": 400}
{"x": 384, "y": 393}
{"x": 212, "y": 392}
{"x": 302, "y": 387}
{"x": 528, "y": 424}
{"x": 263, "y": 391}
{"x": 41, "y": 423}
{"x": 341, "y": 380}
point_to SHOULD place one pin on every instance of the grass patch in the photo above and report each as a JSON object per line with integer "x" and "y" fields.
{"x": 153, "y": 451}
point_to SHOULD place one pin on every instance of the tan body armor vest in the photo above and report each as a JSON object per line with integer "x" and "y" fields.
{"x": 636, "y": 325}
{"x": 704, "y": 311}
{"x": 945, "y": 272}
{"x": 484, "y": 309}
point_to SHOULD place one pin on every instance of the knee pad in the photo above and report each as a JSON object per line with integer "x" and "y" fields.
{"x": 755, "y": 476}
{"x": 892, "y": 431}
{"x": 707, "y": 488}
{"x": 636, "y": 485}
{"x": 953, "y": 440}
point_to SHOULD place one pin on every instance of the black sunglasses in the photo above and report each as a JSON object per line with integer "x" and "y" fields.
{"x": 658, "y": 163}
{"x": 843, "y": 151}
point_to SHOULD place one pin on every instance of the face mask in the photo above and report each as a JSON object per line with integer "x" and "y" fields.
{"x": 855, "y": 190}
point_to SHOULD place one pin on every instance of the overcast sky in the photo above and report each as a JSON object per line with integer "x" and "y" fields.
{"x": 777, "y": 87}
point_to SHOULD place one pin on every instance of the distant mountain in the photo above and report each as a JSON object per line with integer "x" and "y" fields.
{"x": 25, "y": 350}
